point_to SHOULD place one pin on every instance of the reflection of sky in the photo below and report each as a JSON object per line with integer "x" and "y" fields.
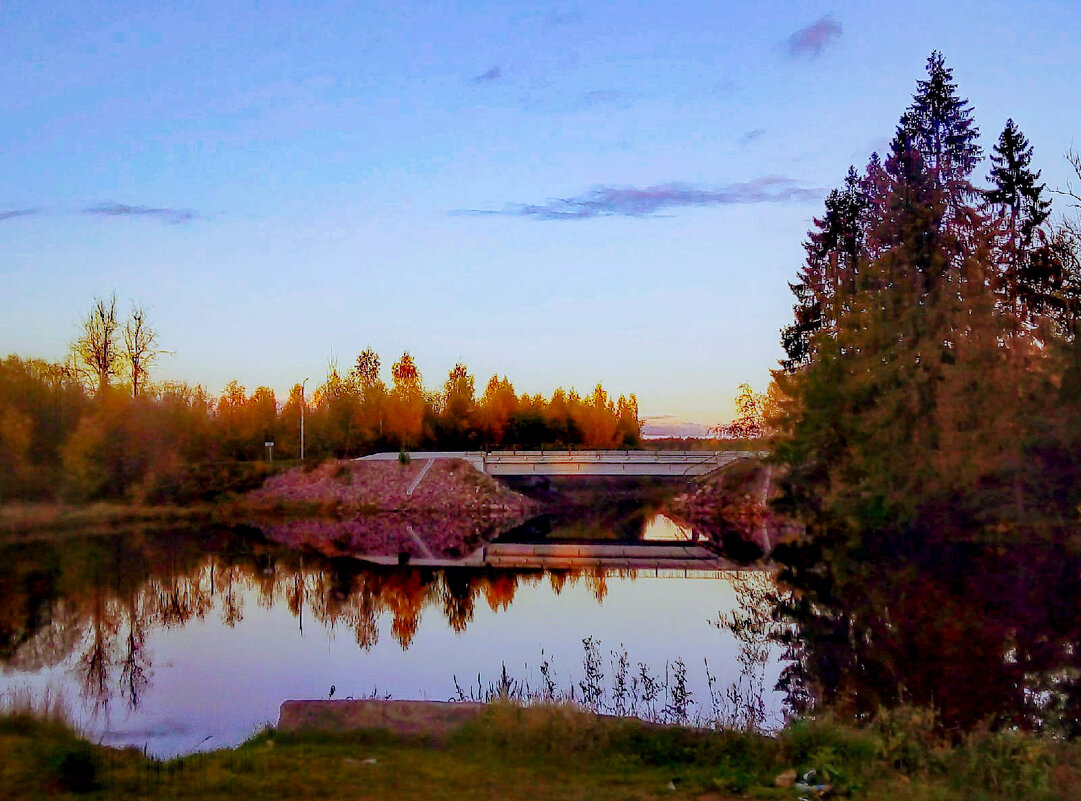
{"x": 661, "y": 528}
{"x": 209, "y": 680}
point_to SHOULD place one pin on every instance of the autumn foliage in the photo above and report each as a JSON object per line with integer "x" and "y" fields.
{"x": 926, "y": 420}
{"x": 82, "y": 431}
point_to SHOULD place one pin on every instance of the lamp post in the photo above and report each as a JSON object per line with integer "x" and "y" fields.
{"x": 302, "y": 405}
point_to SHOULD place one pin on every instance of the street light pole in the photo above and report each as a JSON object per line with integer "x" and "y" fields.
{"x": 302, "y": 405}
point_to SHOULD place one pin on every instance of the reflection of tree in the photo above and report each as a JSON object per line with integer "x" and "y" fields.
{"x": 179, "y": 598}
{"x": 96, "y": 600}
{"x": 232, "y": 604}
{"x": 598, "y": 586}
{"x": 499, "y": 589}
{"x": 976, "y": 632}
{"x": 266, "y": 581}
{"x": 96, "y": 660}
{"x": 459, "y": 591}
{"x": 405, "y": 593}
{"x": 52, "y": 642}
{"x": 751, "y": 622}
{"x": 134, "y": 663}
{"x": 295, "y": 595}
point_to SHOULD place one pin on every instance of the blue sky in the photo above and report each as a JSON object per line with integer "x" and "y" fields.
{"x": 566, "y": 193}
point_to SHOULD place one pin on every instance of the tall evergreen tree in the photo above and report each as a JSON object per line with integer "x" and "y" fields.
{"x": 1014, "y": 187}
{"x": 1030, "y": 278}
{"x": 832, "y": 252}
{"x": 940, "y": 127}
{"x": 908, "y": 431}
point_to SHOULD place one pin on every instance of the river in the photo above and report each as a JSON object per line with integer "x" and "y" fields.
{"x": 174, "y": 641}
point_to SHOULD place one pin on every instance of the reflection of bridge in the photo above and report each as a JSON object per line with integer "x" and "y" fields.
{"x": 585, "y": 463}
{"x": 661, "y": 559}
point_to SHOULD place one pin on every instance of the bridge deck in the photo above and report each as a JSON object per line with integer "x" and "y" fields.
{"x": 585, "y": 463}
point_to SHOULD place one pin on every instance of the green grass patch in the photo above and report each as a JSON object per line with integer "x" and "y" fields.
{"x": 553, "y": 751}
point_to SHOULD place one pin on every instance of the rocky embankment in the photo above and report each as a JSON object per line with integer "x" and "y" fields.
{"x": 442, "y": 509}
{"x": 731, "y": 507}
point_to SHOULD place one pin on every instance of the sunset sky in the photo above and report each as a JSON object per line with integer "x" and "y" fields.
{"x": 564, "y": 193}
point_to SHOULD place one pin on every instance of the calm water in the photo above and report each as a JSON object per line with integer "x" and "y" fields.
{"x": 183, "y": 640}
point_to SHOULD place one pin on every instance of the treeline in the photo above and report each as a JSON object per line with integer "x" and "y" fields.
{"x": 85, "y": 430}
{"x": 929, "y": 419}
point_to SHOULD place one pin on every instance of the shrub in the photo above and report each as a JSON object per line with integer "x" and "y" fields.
{"x": 73, "y": 766}
{"x": 831, "y": 753}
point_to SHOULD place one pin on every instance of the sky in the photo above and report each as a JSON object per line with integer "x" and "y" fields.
{"x": 564, "y": 193}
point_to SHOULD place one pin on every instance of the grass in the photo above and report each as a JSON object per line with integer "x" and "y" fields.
{"x": 553, "y": 751}
{"x": 21, "y": 517}
{"x": 49, "y": 519}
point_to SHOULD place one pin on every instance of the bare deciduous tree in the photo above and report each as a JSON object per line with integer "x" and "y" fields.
{"x": 139, "y": 347}
{"x": 97, "y": 347}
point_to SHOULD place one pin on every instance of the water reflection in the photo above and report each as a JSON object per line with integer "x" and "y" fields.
{"x": 93, "y": 601}
{"x": 980, "y": 632}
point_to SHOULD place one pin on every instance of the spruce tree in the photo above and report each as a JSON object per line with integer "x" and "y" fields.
{"x": 1014, "y": 186}
{"x": 918, "y": 435}
{"x": 833, "y": 250}
{"x": 940, "y": 127}
{"x": 1030, "y": 275}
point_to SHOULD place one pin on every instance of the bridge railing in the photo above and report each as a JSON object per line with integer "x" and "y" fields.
{"x": 609, "y": 456}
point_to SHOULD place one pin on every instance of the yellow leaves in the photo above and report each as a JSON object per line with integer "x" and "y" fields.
{"x": 16, "y": 431}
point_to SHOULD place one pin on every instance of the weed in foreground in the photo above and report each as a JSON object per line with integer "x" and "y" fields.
{"x": 651, "y": 697}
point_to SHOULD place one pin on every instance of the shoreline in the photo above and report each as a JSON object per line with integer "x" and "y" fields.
{"x": 320, "y": 498}
{"x": 552, "y": 751}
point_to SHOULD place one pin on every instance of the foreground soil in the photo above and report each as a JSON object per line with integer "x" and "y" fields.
{"x": 555, "y": 752}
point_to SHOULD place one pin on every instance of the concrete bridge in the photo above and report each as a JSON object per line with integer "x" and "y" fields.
{"x": 673, "y": 464}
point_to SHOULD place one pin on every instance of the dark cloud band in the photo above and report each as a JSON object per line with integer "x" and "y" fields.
{"x": 494, "y": 74}
{"x": 174, "y": 216}
{"x": 11, "y": 214}
{"x": 607, "y": 201}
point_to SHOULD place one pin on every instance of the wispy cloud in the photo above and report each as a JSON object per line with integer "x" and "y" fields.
{"x": 494, "y": 74}
{"x": 812, "y": 41}
{"x": 601, "y": 97}
{"x": 173, "y": 216}
{"x": 11, "y": 214}
{"x": 607, "y": 201}
{"x": 750, "y": 136}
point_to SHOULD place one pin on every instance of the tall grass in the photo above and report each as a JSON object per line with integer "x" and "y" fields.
{"x": 610, "y": 685}
{"x": 47, "y": 706}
